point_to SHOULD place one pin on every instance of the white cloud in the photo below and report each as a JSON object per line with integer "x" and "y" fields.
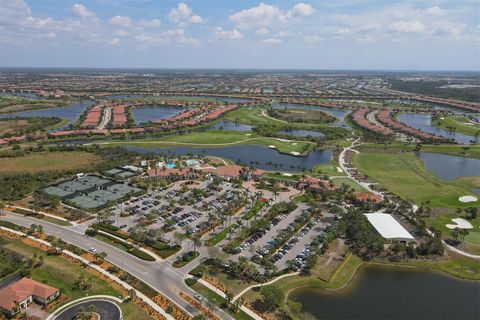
{"x": 176, "y": 36}
{"x": 154, "y": 23}
{"x": 265, "y": 15}
{"x": 114, "y": 42}
{"x": 436, "y": 11}
{"x": 184, "y": 14}
{"x": 342, "y": 32}
{"x": 120, "y": 21}
{"x": 272, "y": 41}
{"x": 301, "y": 10}
{"x": 261, "y": 15}
{"x": 413, "y": 26}
{"x": 81, "y": 11}
{"x": 261, "y": 31}
{"x": 313, "y": 39}
{"x": 122, "y": 33}
{"x": 226, "y": 35}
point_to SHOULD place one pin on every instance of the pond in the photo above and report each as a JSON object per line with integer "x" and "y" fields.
{"x": 302, "y": 133}
{"x": 150, "y": 113}
{"x": 394, "y": 293}
{"x": 449, "y": 167}
{"x": 255, "y": 155}
{"x": 71, "y": 112}
{"x": 423, "y": 121}
{"x": 228, "y": 125}
{"x": 337, "y": 113}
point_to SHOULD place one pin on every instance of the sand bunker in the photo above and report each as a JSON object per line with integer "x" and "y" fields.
{"x": 466, "y": 199}
{"x": 294, "y": 153}
{"x": 460, "y": 224}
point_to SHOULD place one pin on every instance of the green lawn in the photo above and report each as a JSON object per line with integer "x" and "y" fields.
{"x": 349, "y": 182}
{"x": 440, "y": 222}
{"x": 254, "y": 210}
{"x": 252, "y": 116}
{"x": 461, "y": 124}
{"x": 59, "y": 273}
{"x": 405, "y": 175}
{"x": 328, "y": 169}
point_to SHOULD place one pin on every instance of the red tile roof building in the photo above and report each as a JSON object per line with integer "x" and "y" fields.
{"x": 21, "y": 293}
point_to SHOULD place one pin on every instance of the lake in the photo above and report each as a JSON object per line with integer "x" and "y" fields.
{"x": 423, "y": 121}
{"x": 303, "y": 133}
{"x": 150, "y": 113}
{"x": 255, "y": 155}
{"x": 337, "y": 113}
{"x": 394, "y": 293}
{"x": 71, "y": 112}
{"x": 449, "y": 167}
{"x": 229, "y": 125}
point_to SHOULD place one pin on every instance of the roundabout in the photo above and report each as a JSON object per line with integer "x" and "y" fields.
{"x": 104, "y": 309}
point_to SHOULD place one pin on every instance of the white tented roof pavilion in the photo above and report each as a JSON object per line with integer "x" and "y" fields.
{"x": 388, "y": 227}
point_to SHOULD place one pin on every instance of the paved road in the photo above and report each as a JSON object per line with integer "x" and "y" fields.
{"x": 106, "y": 309}
{"x": 160, "y": 274}
{"x": 107, "y": 115}
{"x": 343, "y": 166}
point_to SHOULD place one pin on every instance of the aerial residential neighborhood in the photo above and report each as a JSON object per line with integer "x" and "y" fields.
{"x": 239, "y": 160}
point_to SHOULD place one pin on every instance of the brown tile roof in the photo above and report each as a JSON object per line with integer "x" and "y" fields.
{"x": 21, "y": 290}
{"x": 225, "y": 171}
{"x": 362, "y": 196}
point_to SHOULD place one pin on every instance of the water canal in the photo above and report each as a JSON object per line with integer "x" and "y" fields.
{"x": 423, "y": 121}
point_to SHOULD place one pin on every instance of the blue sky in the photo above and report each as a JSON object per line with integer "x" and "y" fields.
{"x": 349, "y": 34}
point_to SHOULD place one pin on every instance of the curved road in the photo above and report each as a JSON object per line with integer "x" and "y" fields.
{"x": 106, "y": 309}
{"x": 158, "y": 274}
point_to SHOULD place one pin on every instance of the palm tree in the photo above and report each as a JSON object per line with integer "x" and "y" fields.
{"x": 197, "y": 242}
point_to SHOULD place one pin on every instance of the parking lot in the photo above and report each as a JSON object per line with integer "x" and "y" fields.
{"x": 186, "y": 209}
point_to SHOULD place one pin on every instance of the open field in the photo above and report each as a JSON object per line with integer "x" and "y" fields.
{"x": 19, "y": 126}
{"x": 459, "y": 123}
{"x": 219, "y": 139}
{"x": 48, "y": 161}
{"x": 405, "y": 175}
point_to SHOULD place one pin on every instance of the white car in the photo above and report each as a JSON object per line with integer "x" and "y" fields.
{"x": 92, "y": 249}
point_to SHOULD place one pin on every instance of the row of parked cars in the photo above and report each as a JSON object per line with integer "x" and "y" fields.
{"x": 290, "y": 243}
{"x": 259, "y": 234}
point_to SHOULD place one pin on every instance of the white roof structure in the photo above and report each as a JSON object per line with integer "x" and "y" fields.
{"x": 388, "y": 227}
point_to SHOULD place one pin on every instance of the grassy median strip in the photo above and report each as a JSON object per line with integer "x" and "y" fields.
{"x": 185, "y": 258}
{"x": 220, "y": 236}
{"x": 254, "y": 210}
{"x": 125, "y": 247}
{"x": 41, "y": 216}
